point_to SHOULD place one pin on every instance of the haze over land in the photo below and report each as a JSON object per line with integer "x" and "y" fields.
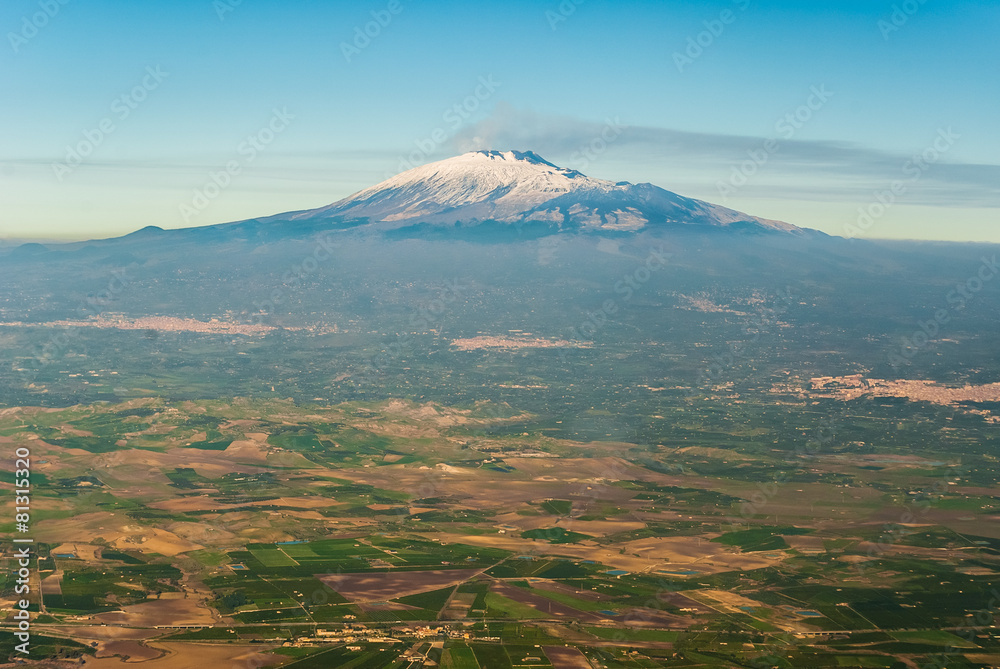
{"x": 497, "y": 397}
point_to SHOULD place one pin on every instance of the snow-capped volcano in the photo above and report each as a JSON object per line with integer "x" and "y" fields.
{"x": 521, "y": 187}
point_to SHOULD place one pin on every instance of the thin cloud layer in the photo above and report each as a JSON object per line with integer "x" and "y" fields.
{"x": 831, "y": 171}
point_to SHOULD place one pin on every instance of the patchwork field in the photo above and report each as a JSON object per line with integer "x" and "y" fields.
{"x": 407, "y": 518}
{"x": 359, "y": 588}
{"x": 192, "y": 656}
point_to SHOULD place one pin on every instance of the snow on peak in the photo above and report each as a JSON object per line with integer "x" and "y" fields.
{"x": 520, "y": 186}
{"x": 482, "y": 173}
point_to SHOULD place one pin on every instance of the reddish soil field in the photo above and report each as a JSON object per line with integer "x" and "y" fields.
{"x": 566, "y": 657}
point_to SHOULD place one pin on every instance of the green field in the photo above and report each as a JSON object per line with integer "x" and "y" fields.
{"x": 272, "y": 557}
{"x": 272, "y": 567}
{"x": 504, "y": 607}
{"x": 460, "y": 657}
{"x": 557, "y": 507}
{"x": 556, "y": 535}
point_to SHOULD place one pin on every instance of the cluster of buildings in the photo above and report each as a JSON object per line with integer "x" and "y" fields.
{"x": 358, "y": 633}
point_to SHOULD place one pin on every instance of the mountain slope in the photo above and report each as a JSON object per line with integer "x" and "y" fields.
{"x": 479, "y": 196}
{"x": 518, "y": 187}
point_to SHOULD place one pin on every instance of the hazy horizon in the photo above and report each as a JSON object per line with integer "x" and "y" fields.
{"x": 847, "y": 232}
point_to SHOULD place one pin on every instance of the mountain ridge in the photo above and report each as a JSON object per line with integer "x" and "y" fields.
{"x": 477, "y": 196}
{"x": 522, "y": 187}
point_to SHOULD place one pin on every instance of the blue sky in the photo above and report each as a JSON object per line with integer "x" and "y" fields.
{"x": 870, "y": 97}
